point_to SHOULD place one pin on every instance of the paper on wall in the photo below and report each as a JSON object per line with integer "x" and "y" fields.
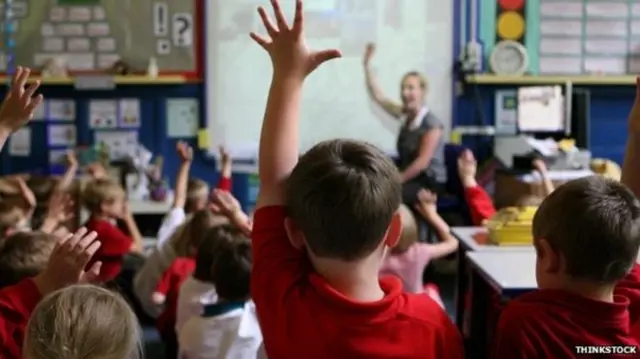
{"x": 57, "y": 156}
{"x": 20, "y": 142}
{"x": 61, "y": 135}
{"x": 121, "y": 144}
{"x": 129, "y": 113}
{"x": 62, "y": 110}
{"x": 182, "y": 117}
{"x": 103, "y": 114}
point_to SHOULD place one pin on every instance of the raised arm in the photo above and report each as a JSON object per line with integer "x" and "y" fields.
{"x": 18, "y": 105}
{"x": 631, "y": 164}
{"x": 225, "y": 170}
{"x": 394, "y": 109}
{"x": 426, "y": 206}
{"x": 185, "y": 153}
{"x": 69, "y": 174}
{"x": 478, "y": 200}
{"x": 27, "y": 196}
{"x": 292, "y": 61}
{"x": 541, "y": 168}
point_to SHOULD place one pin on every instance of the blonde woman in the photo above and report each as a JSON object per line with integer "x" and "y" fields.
{"x": 83, "y": 321}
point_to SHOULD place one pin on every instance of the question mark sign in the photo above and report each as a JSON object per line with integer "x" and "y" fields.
{"x": 183, "y": 26}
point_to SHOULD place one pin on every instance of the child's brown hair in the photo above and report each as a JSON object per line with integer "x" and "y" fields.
{"x": 197, "y": 194}
{"x": 83, "y": 321}
{"x": 11, "y": 216}
{"x": 186, "y": 239}
{"x": 231, "y": 267}
{"x": 594, "y": 223}
{"x": 24, "y": 255}
{"x": 342, "y": 195}
{"x": 409, "y": 231}
{"x": 208, "y": 249}
{"x": 100, "y": 191}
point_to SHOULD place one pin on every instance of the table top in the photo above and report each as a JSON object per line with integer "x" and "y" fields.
{"x": 475, "y": 239}
{"x": 510, "y": 271}
{"x": 149, "y": 207}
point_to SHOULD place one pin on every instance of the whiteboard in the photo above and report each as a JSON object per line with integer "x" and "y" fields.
{"x": 409, "y": 34}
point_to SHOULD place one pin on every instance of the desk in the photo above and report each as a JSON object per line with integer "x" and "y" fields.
{"x": 473, "y": 239}
{"x": 507, "y": 273}
{"x": 149, "y": 207}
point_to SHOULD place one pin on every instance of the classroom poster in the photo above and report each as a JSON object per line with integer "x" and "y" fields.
{"x": 20, "y": 142}
{"x": 61, "y": 135}
{"x": 129, "y": 113}
{"x": 182, "y": 117}
{"x": 103, "y": 114}
{"x": 61, "y": 110}
{"x": 120, "y": 144}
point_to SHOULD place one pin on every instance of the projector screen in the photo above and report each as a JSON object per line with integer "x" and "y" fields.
{"x": 409, "y": 35}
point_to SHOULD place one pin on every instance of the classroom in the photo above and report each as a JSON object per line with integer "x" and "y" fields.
{"x": 291, "y": 179}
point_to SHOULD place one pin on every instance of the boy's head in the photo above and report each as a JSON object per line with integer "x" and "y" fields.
{"x": 104, "y": 197}
{"x": 24, "y": 255}
{"x": 208, "y": 249}
{"x": 586, "y": 231}
{"x": 231, "y": 266}
{"x": 12, "y": 219}
{"x": 186, "y": 239}
{"x": 82, "y": 321}
{"x": 197, "y": 195}
{"x": 409, "y": 231}
{"x": 342, "y": 198}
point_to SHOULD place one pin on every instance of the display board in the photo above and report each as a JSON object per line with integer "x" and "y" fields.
{"x": 410, "y": 35}
{"x": 568, "y": 36}
{"x": 93, "y": 34}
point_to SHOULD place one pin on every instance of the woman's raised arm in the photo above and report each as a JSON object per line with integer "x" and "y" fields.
{"x": 392, "y": 108}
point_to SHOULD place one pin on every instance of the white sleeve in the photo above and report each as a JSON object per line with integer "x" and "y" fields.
{"x": 174, "y": 218}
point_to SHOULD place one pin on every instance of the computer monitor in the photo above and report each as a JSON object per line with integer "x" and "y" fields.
{"x": 541, "y": 109}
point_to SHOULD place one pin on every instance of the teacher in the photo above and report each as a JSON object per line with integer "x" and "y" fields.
{"x": 420, "y": 144}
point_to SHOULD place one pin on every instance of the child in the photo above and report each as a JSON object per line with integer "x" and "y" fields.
{"x": 409, "y": 257}
{"x": 12, "y": 219}
{"x": 323, "y": 224}
{"x": 24, "y": 255}
{"x": 185, "y": 244}
{"x": 189, "y": 197}
{"x": 106, "y": 201}
{"x": 586, "y": 236}
{"x": 480, "y": 204}
{"x": 229, "y": 328}
{"x": 83, "y": 321}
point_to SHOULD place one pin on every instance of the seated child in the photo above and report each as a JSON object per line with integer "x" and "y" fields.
{"x": 13, "y": 219}
{"x": 106, "y": 202}
{"x": 198, "y": 290}
{"x": 66, "y": 266}
{"x": 586, "y": 236}
{"x": 480, "y": 204}
{"x": 228, "y": 328}
{"x": 190, "y": 196}
{"x": 184, "y": 243}
{"x": 409, "y": 257}
{"x": 24, "y": 255}
{"x": 321, "y": 229}
{"x": 83, "y": 321}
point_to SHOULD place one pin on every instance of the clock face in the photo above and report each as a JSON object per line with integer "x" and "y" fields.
{"x": 509, "y": 60}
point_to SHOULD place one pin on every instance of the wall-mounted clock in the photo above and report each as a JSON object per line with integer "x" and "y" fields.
{"x": 509, "y": 58}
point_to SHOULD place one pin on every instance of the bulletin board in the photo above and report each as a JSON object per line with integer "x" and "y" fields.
{"x": 92, "y": 34}
{"x": 570, "y": 37}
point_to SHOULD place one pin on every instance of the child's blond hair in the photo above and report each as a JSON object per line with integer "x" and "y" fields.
{"x": 409, "y": 231}
{"x": 82, "y": 321}
{"x": 11, "y": 216}
{"x": 24, "y": 255}
{"x": 99, "y": 191}
{"x": 186, "y": 238}
{"x": 197, "y": 193}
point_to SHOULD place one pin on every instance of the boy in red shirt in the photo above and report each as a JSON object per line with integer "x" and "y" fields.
{"x": 323, "y": 225}
{"x": 106, "y": 201}
{"x": 586, "y": 236}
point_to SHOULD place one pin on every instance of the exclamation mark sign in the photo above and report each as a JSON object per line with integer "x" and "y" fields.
{"x": 160, "y": 19}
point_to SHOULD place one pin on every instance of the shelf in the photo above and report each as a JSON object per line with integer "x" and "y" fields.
{"x": 118, "y": 80}
{"x": 594, "y": 80}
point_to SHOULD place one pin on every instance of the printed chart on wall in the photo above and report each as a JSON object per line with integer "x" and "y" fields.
{"x": 410, "y": 35}
{"x": 91, "y": 35}
{"x": 601, "y": 37}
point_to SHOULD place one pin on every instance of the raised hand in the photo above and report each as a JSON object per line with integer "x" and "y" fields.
{"x": 369, "y": 51}
{"x": 68, "y": 261}
{"x": 185, "y": 152}
{"x": 286, "y": 45}
{"x": 224, "y": 155}
{"x": 70, "y": 157}
{"x": 60, "y": 207}
{"x": 225, "y": 202}
{"x": 467, "y": 165}
{"x": 427, "y": 202}
{"x": 540, "y": 166}
{"x": 19, "y": 104}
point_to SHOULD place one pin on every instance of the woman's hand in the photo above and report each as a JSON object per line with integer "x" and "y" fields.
{"x": 368, "y": 53}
